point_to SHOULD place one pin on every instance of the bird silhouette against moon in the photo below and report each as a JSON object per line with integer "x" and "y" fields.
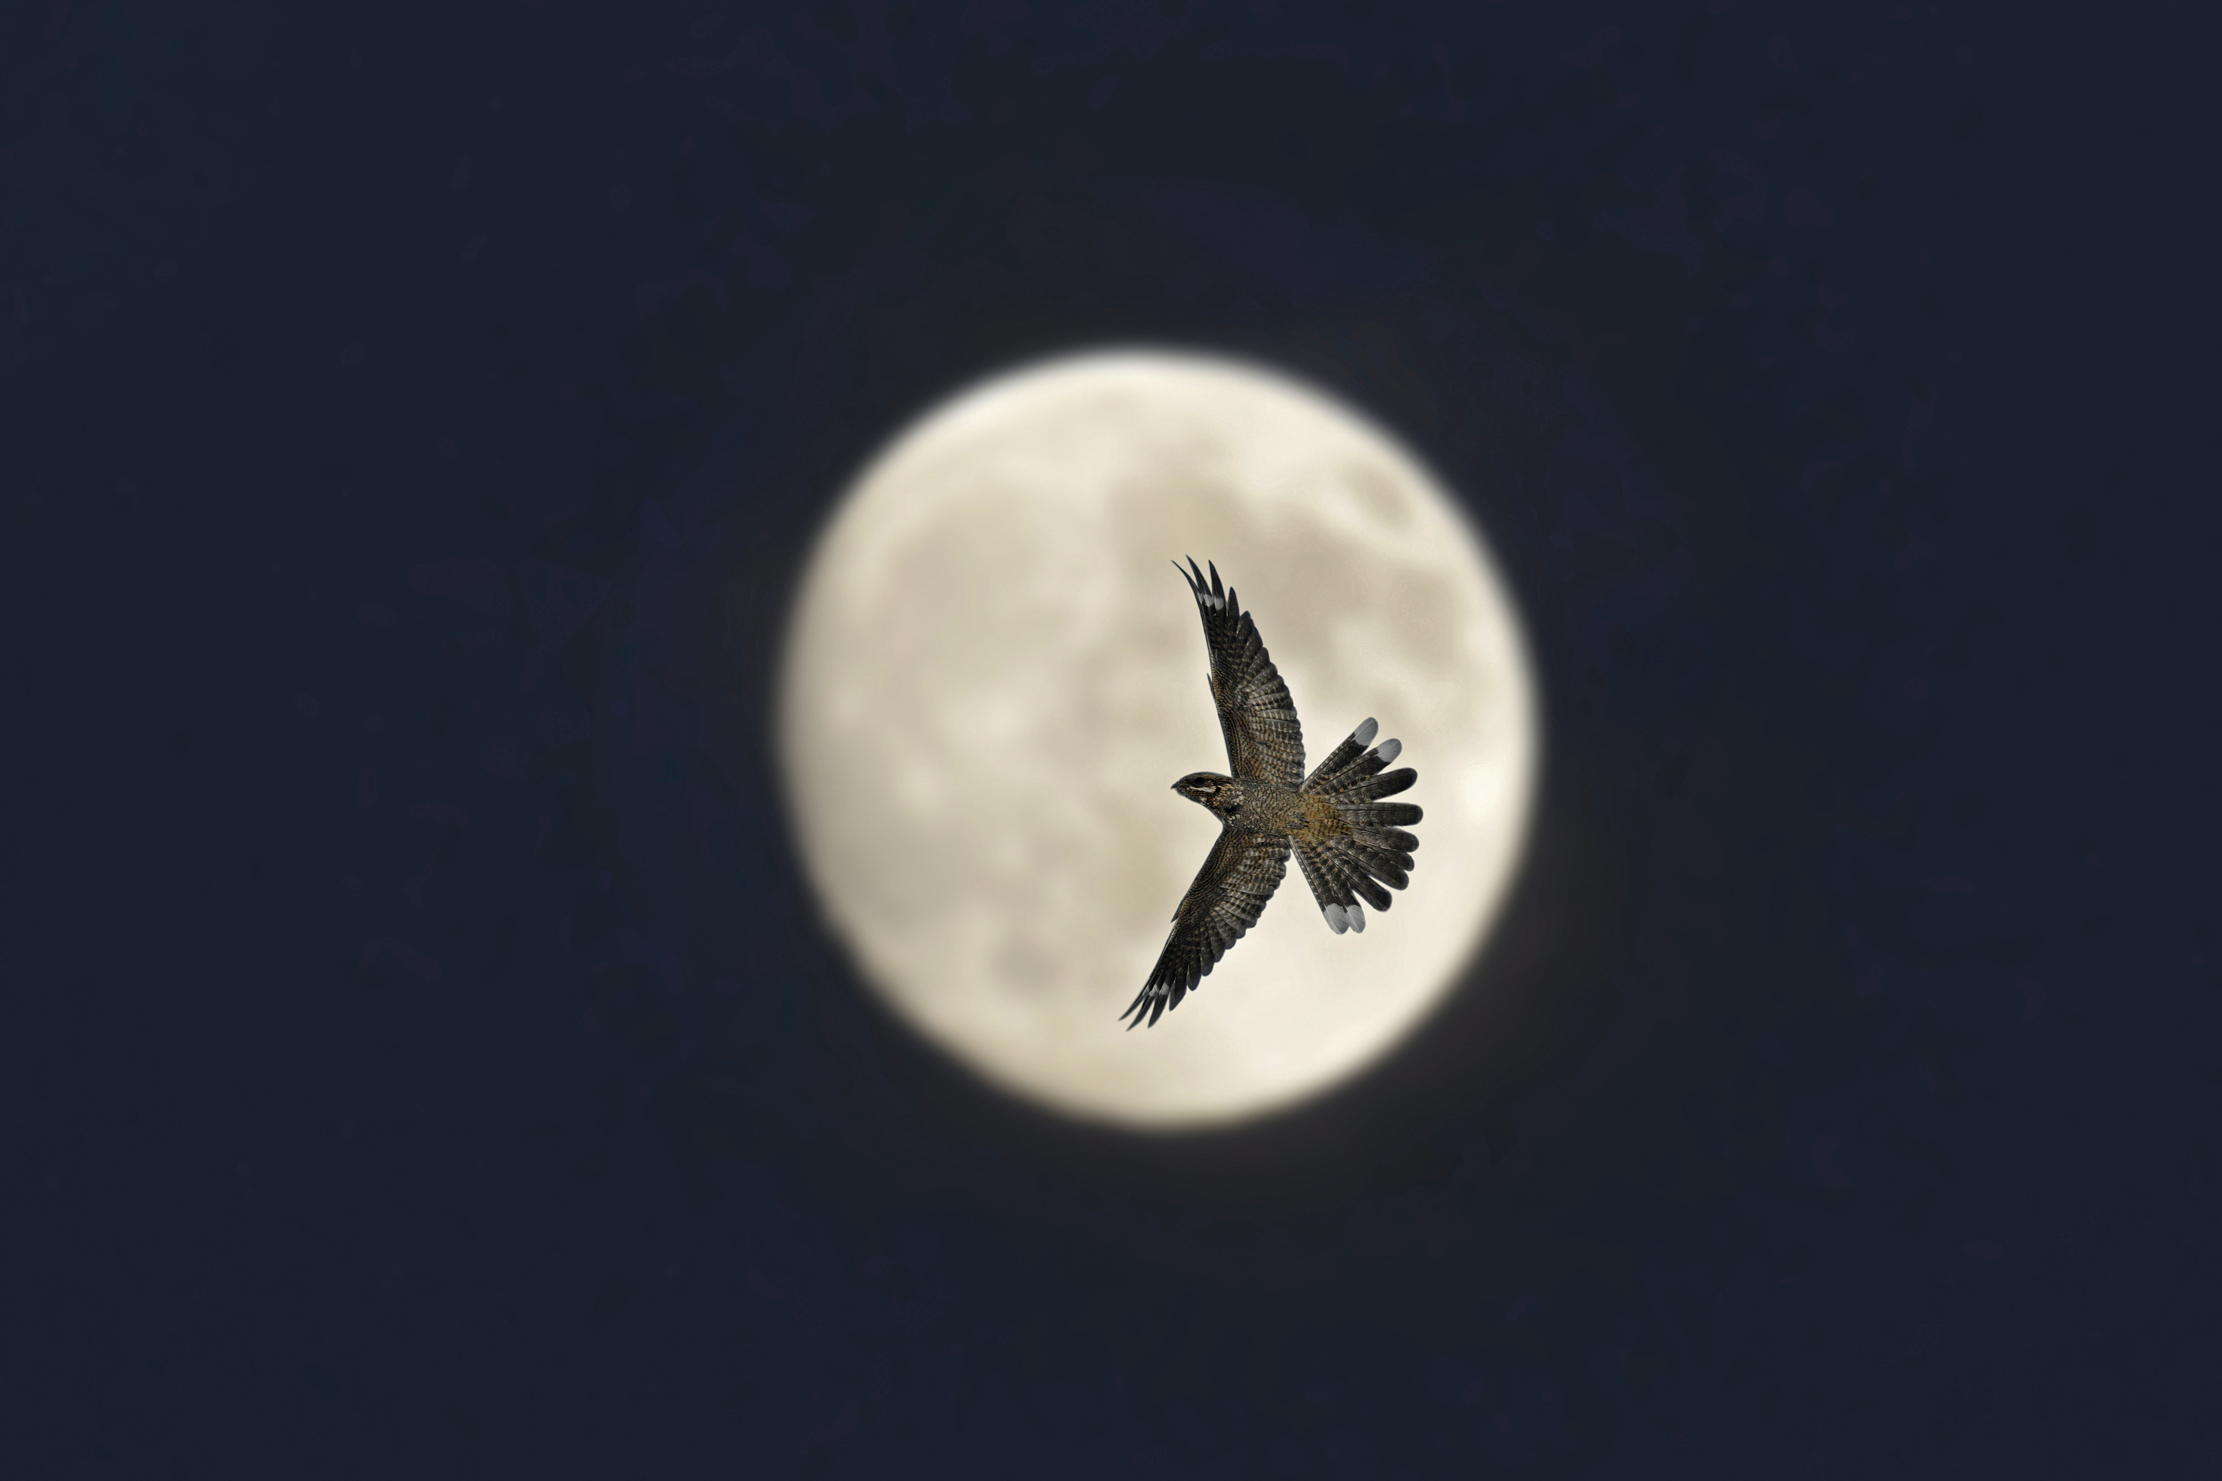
{"x": 1349, "y": 841}
{"x": 984, "y": 691}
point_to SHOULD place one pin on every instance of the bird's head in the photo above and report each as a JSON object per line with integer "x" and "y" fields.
{"x": 1209, "y": 789}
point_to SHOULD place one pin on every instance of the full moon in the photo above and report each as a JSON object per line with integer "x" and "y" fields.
{"x": 993, "y": 676}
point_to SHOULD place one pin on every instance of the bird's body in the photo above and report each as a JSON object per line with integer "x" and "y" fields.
{"x": 1348, "y": 842}
{"x": 1262, "y": 805}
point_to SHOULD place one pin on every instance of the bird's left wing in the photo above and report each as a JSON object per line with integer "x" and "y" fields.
{"x": 1263, "y": 739}
{"x": 1240, "y": 875}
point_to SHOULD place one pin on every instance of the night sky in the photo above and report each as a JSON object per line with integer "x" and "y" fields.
{"x": 426, "y": 1060}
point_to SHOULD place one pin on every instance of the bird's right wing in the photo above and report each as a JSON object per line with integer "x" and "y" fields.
{"x": 1263, "y": 737}
{"x": 1240, "y": 875}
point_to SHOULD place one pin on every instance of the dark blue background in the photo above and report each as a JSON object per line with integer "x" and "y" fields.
{"x": 429, "y": 1063}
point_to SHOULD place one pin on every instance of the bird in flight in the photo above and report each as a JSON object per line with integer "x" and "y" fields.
{"x": 1348, "y": 842}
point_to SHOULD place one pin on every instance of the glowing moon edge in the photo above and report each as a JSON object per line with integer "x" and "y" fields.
{"x": 1247, "y": 1068}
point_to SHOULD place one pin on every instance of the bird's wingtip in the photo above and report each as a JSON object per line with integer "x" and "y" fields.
{"x": 1207, "y": 590}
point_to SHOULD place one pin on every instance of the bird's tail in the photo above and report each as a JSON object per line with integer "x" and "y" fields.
{"x": 1373, "y": 850}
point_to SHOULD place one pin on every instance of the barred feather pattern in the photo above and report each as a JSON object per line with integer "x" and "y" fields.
{"x": 1264, "y": 740}
{"x": 1240, "y": 875}
{"x": 1370, "y": 854}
